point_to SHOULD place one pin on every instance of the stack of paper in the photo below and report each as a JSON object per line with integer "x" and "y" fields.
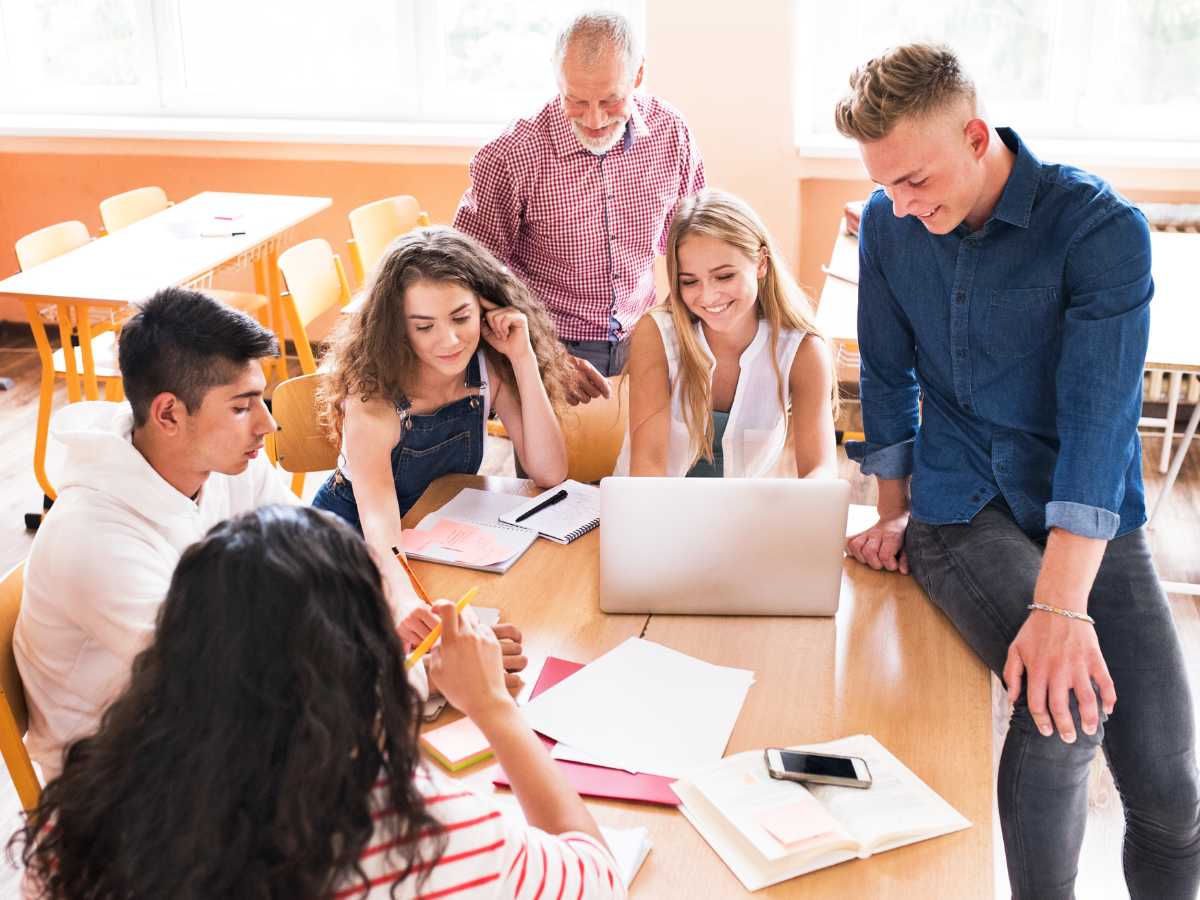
{"x": 595, "y": 781}
{"x": 768, "y": 830}
{"x": 644, "y": 708}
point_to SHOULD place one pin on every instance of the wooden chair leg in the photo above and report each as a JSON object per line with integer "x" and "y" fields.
{"x": 298, "y": 484}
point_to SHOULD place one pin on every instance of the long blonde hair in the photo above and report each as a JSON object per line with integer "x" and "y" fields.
{"x": 781, "y": 302}
{"x": 370, "y": 356}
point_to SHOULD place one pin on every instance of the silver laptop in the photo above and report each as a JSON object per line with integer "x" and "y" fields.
{"x": 722, "y": 546}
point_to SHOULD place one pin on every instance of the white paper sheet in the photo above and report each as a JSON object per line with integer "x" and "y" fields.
{"x": 645, "y": 708}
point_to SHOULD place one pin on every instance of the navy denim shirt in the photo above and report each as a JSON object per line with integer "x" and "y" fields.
{"x": 1009, "y": 360}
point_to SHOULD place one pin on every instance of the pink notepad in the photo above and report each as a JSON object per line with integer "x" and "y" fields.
{"x": 457, "y": 745}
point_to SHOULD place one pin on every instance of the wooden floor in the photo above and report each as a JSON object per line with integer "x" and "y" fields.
{"x": 1174, "y": 540}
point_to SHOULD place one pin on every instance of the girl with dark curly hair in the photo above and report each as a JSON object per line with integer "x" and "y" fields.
{"x": 445, "y": 335}
{"x": 266, "y": 747}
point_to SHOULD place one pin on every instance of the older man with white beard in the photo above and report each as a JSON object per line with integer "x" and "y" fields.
{"x": 577, "y": 199}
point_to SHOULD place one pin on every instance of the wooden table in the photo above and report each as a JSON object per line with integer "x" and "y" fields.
{"x": 107, "y": 274}
{"x": 889, "y": 664}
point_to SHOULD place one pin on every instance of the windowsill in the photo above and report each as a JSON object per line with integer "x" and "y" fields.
{"x": 432, "y": 142}
{"x": 1148, "y": 165}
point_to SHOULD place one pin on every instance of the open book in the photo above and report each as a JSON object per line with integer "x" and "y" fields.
{"x": 768, "y": 831}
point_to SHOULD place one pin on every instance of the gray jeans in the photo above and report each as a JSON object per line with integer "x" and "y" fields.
{"x": 607, "y": 356}
{"x": 982, "y": 576}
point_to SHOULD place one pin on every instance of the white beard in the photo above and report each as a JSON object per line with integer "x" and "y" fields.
{"x": 600, "y": 146}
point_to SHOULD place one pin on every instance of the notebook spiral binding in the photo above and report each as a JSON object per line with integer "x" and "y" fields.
{"x": 582, "y": 530}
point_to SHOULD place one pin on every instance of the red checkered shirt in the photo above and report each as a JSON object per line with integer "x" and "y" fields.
{"x": 582, "y": 230}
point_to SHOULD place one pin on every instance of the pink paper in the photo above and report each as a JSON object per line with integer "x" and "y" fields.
{"x": 414, "y": 541}
{"x": 798, "y": 822}
{"x": 470, "y": 544}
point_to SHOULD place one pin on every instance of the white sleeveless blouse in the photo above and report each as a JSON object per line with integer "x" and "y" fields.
{"x": 757, "y": 429}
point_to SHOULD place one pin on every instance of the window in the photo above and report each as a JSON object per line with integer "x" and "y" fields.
{"x": 357, "y": 60}
{"x": 1103, "y": 70}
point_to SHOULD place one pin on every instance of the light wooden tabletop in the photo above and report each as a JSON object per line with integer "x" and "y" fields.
{"x": 164, "y": 249}
{"x": 889, "y": 664}
{"x": 1174, "y": 322}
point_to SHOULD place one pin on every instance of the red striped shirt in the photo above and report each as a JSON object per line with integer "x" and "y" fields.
{"x": 487, "y": 855}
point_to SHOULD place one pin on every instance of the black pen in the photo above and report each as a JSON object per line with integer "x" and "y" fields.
{"x": 548, "y": 502}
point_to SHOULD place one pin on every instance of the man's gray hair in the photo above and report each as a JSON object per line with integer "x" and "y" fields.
{"x": 596, "y": 33}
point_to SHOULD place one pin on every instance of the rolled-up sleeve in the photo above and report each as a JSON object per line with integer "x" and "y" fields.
{"x": 888, "y": 385}
{"x": 1106, "y": 327}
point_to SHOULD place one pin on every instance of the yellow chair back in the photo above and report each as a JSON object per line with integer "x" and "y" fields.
{"x": 594, "y": 433}
{"x": 121, "y": 210}
{"x": 14, "y": 718}
{"x": 316, "y": 283}
{"x": 377, "y": 224}
{"x": 46, "y": 243}
{"x": 301, "y": 444}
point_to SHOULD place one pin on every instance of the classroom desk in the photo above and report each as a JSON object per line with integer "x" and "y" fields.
{"x": 888, "y": 664}
{"x": 88, "y": 289}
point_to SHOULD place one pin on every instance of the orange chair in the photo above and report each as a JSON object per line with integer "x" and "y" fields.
{"x": 14, "y": 717}
{"x": 95, "y": 351}
{"x": 377, "y": 224}
{"x": 315, "y": 283}
{"x": 594, "y": 432}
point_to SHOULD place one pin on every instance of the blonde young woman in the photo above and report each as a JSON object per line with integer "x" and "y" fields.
{"x": 714, "y": 371}
{"x": 445, "y": 335}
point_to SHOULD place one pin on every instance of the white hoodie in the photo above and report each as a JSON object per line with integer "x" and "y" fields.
{"x": 100, "y": 567}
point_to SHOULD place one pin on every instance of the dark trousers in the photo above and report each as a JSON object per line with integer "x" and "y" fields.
{"x": 982, "y": 576}
{"x": 607, "y": 356}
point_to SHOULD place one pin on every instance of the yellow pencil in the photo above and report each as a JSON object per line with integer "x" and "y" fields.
{"x": 431, "y": 638}
{"x": 412, "y": 576}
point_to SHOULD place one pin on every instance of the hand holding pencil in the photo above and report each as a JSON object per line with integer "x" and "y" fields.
{"x": 467, "y": 666}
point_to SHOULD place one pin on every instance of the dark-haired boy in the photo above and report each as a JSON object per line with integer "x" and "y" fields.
{"x": 142, "y": 481}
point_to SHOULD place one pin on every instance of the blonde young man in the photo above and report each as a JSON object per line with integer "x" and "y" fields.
{"x": 577, "y": 199}
{"x": 1003, "y": 318}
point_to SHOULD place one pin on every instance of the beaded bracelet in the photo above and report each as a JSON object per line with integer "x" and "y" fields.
{"x": 1070, "y": 614}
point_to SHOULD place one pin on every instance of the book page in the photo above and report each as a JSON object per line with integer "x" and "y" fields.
{"x": 744, "y": 793}
{"x": 895, "y": 809}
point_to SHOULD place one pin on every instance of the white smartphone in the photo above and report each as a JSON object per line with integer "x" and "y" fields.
{"x": 791, "y": 765}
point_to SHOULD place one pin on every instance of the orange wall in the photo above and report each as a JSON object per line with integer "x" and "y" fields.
{"x": 40, "y": 189}
{"x": 43, "y": 188}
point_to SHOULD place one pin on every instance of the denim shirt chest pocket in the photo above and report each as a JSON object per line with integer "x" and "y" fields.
{"x": 1020, "y": 322}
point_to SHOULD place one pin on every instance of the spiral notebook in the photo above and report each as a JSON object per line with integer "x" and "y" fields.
{"x": 576, "y": 515}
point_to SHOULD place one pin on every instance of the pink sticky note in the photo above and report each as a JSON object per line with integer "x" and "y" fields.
{"x": 415, "y": 541}
{"x": 470, "y": 544}
{"x": 798, "y": 822}
{"x": 457, "y": 745}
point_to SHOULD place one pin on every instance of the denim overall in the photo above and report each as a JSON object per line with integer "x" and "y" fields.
{"x": 448, "y": 441}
